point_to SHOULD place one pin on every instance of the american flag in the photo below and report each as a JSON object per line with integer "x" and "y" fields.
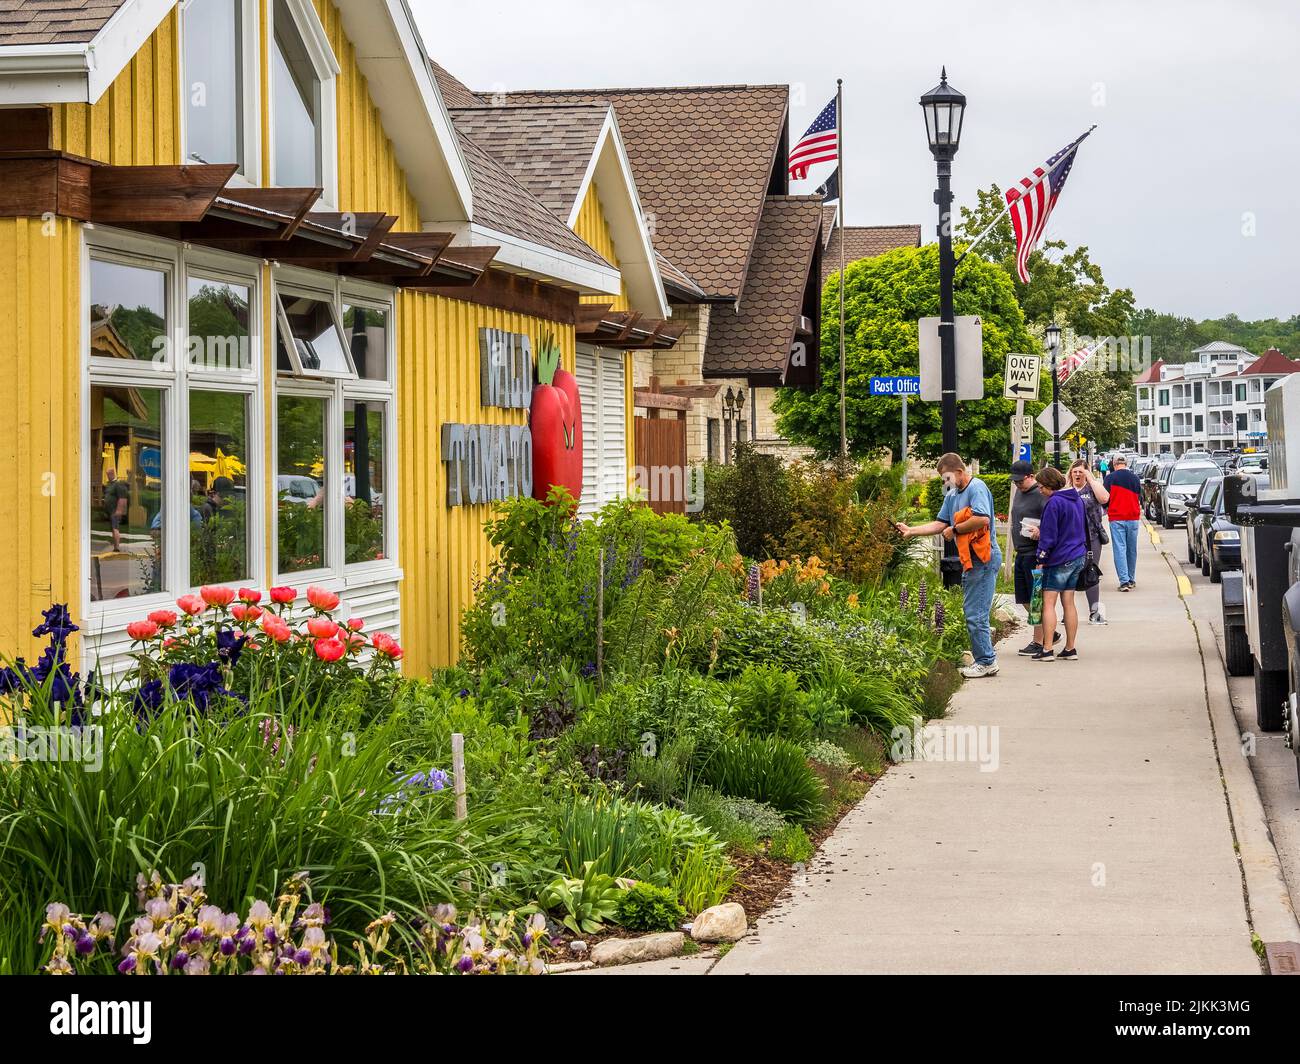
{"x": 1031, "y": 202}
{"x": 821, "y": 144}
{"x": 1070, "y": 363}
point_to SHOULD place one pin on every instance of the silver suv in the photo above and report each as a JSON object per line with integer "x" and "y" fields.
{"x": 1179, "y": 484}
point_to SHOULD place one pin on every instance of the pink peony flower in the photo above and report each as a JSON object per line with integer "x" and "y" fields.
{"x": 242, "y": 612}
{"x": 249, "y": 595}
{"x": 355, "y": 623}
{"x": 191, "y": 604}
{"x": 163, "y": 618}
{"x": 142, "y": 630}
{"x": 221, "y": 597}
{"x": 322, "y": 628}
{"x": 386, "y": 645}
{"x": 329, "y": 649}
{"x": 321, "y": 599}
{"x": 283, "y": 595}
{"x": 274, "y": 627}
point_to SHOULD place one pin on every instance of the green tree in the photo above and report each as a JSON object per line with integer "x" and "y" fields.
{"x": 884, "y": 297}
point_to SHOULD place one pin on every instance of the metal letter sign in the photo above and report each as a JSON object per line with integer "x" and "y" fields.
{"x": 1020, "y": 381}
{"x": 1022, "y": 427}
{"x": 970, "y": 358}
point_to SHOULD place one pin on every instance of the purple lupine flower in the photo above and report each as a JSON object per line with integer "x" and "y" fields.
{"x": 902, "y": 597}
{"x": 921, "y": 593}
{"x": 753, "y": 583}
{"x": 939, "y": 616}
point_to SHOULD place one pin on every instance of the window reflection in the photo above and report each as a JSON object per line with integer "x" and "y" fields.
{"x": 367, "y": 334}
{"x": 126, "y": 491}
{"x": 218, "y": 465}
{"x": 218, "y": 326}
{"x": 300, "y": 482}
{"x": 296, "y": 101}
{"x": 314, "y": 332}
{"x": 213, "y": 70}
{"x": 128, "y": 311}
{"x": 363, "y": 480}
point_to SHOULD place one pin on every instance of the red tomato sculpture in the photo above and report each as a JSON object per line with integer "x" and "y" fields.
{"x": 555, "y": 420}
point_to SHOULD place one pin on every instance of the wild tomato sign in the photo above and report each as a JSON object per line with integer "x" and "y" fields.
{"x": 555, "y": 418}
{"x": 489, "y": 463}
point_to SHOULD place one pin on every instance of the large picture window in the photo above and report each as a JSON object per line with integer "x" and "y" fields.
{"x": 301, "y": 482}
{"x": 218, "y": 488}
{"x": 303, "y": 70}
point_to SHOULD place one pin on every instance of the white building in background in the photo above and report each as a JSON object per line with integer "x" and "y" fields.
{"x": 1213, "y": 403}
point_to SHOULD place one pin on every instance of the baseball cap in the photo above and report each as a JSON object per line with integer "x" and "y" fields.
{"x": 1020, "y": 470}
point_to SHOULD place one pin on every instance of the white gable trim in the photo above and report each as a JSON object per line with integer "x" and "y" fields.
{"x": 546, "y": 264}
{"x": 610, "y": 170}
{"x": 78, "y": 73}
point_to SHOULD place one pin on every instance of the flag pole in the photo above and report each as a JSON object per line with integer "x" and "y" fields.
{"x": 839, "y": 163}
{"x": 1006, "y": 207}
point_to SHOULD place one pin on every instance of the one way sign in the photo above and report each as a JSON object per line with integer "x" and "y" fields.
{"x": 1020, "y": 381}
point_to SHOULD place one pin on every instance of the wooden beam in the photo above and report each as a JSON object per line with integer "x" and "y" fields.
{"x": 25, "y": 128}
{"x": 124, "y": 194}
{"x": 507, "y": 291}
{"x": 652, "y": 400}
{"x": 426, "y": 246}
{"x": 691, "y": 391}
{"x": 38, "y": 182}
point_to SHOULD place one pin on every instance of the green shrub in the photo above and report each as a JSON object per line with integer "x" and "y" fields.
{"x": 827, "y": 753}
{"x": 759, "y": 817}
{"x": 715, "y": 812}
{"x": 871, "y": 700}
{"x": 999, "y": 484}
{"x": 703, "y": 879}
{"x": 791, "y": 844}
{"x": 585, "y": 902}
{"x": 771, "y": 770}
{"x": 646, "y": 907}
{"x": 866, "y": 749}
{"x": 766, "y": 700}
{"x": 607, "y": 833}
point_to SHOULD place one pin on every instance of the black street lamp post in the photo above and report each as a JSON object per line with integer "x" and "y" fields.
{"x": 944, "y": 108}
{"x": 1054, "y": 343}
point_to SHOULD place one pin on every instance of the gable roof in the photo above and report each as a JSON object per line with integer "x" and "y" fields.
{"x": 1271, "y": 363}
{"x": 830, "y": 211}
{"x": 53, "y": 21}
{"x": 548, "y": 150}
{"x": 1152, "y": 374}
{"x": 1221, "y": 347}
{"x": 754, "y": 341}
{"x": 866, "y": 242}
{"x": 703, "y": 158}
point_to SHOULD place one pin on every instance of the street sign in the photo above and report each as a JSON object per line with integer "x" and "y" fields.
{"x": 1020, "y": 381}
{"x": 1067, "y": 419}
{"x": 970, "y": 358}
{"x": 151, "y": 461}
{"x": 895, "y": 385}
{"x": 1025, "y": 453}
{"x": 1022, "y": 427}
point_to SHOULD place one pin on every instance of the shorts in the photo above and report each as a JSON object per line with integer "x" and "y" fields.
{"x": 1062, "y": 577}
{"x": 115, "y": 521}
{"x": 1023, "y": 571}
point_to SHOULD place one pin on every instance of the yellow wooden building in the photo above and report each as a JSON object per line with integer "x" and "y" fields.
{"x": 254, "y": 277}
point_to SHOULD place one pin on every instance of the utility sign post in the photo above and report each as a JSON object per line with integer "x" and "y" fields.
{"x": 969, "y": 339}
{"x": 1020, "y": 381}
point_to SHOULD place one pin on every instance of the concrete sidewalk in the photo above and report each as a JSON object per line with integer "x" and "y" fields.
{"x": 1100, "y": 843}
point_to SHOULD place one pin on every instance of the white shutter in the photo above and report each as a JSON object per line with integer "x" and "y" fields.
{"x": 613, "y": 423}
{"x": 586, "y": 371}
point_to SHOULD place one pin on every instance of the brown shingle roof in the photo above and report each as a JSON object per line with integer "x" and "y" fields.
{"x": 547, "y": 149}
{"x": 53, "y": 21}
{"x": 866, "y": 242}
{"x": 755, "y": 340}
{"x": 455, "y": 93}
{"x": 829, "y": 212}
{"x": 675, "y": 277}
{"x": 702, "y": 157}
{"x": 501, "y": 203}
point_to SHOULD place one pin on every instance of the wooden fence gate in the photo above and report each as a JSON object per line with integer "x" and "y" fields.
{"x": 660, "y": 453}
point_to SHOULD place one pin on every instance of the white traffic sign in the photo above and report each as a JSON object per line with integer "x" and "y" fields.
{"x": 1067, "y": 419}
{"x": 970, "y": 358}
{"x": 1020, "y": 381}
{"x": 1022, "y": 428}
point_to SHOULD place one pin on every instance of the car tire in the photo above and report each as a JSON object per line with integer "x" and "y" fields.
{"x": 1191, "y": 552}
{"x": 1270, "y": 693}
{"x": 1164, "y": 520}
{"x": 1216, "y": 574}
{"x": 1205, "y": 565}
{"x": 1236, "y": 650}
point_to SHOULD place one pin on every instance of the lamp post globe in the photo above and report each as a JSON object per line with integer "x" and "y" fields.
{"x": 944, "y": 109}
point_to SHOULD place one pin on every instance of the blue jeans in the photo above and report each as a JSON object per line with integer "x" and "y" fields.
{"x": 1124, "y": 547}
{"x": 977, "y": 586}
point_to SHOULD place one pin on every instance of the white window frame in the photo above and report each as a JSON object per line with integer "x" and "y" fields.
{"x": 250, "y": 173}
{"x": 336, "y": 573}
{"x": 308, "y": 26}
{"x": 174, "y": 378}
{"x": 326, "y": 295}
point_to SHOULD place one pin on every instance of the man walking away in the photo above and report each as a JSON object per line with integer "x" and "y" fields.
{"x": 1124, "y": 511}
{"x": 967, "y": 517}
{"x": 1027, "y": 503}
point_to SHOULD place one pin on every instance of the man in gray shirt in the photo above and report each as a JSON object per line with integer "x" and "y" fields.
{"x": 1026, "y": 501}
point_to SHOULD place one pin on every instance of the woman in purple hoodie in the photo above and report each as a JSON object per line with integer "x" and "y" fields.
{"x": 1062, "y": 547}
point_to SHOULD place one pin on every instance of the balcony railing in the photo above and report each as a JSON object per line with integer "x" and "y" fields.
{"x": 1144, "y": 404}
{"x": 1221, "y": 400}
{"x": 1182, "y": 431}
{"x": 1182, "y": 402}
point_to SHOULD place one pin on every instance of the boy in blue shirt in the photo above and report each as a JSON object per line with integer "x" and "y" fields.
{"x": 979, "y": 582}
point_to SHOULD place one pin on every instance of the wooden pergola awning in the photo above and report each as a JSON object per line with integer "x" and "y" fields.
{"x": 197, "y": 204}
{"x": 599, "y": 323}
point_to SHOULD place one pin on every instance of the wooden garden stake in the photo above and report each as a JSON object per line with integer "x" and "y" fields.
{"x": 458, "y": 773}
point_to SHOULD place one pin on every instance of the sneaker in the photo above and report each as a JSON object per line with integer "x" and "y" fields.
{"x": 1044, "y": 655}
{"x": 1125, "y": 587}
{"x": 974, "y": 672}
{"x": 1068, "y": 655}
{"x": 1030, "y": 650}
{"x": 1098, "y": 615}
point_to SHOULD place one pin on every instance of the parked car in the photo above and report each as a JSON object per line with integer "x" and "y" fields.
{"x": 1213, "y": 541}
{"x": 1179, "y": 484}
{"x": 1200, "y": 513}
{"x": 1149, "y": 474}
{"x": 296, "y": 489}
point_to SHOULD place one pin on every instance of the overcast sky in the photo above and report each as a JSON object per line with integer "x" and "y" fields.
{"x": 1196, "y": 102}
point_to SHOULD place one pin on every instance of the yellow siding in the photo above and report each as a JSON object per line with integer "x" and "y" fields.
{"x": 370, "y": 178}
{"x": 137, "y": 121}
{"x": 592, "y": 227}
{"x": 40, "y": 451}
{"x": 443, "y": 549}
